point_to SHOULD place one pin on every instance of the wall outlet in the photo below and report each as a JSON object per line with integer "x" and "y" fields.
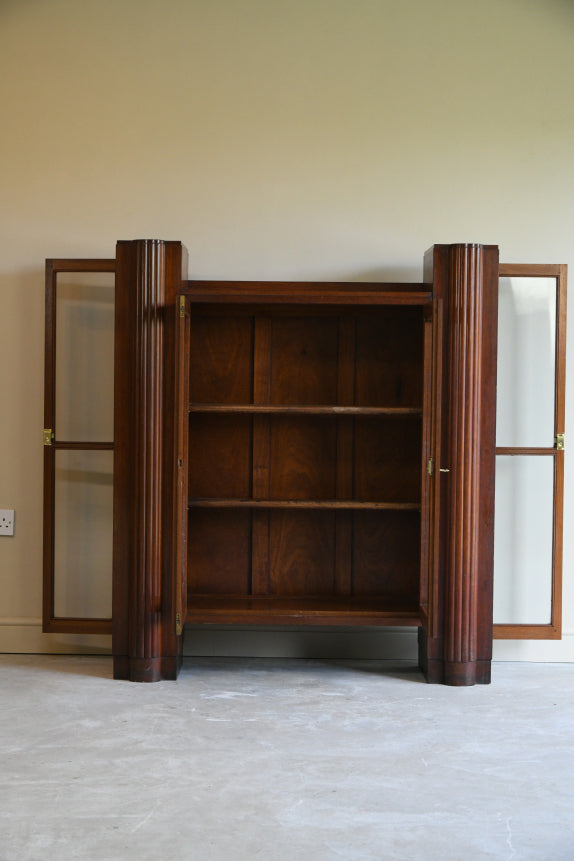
{"x": 6, "y": 521}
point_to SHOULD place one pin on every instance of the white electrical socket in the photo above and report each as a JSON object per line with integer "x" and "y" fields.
{"x": 6, "y": 521}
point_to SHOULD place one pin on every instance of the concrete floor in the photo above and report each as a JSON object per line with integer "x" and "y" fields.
{"x": 276, "y": 760}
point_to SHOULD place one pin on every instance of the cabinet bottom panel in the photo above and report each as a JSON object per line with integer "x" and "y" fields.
{"x": 300, "y": 610}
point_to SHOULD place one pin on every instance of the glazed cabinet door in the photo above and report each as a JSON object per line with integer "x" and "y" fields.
{"x": 530, "y": 452}
{"x": 78, "y": 446}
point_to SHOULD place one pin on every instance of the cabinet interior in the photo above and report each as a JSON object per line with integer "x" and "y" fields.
{"x": 305, "y": 437}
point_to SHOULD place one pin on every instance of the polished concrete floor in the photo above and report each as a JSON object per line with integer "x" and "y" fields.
{"x": 276, "y": 760}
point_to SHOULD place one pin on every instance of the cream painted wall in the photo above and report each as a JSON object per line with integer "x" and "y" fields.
{"x": 299, "y": 139}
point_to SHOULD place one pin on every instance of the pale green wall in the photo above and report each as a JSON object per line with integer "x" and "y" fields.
{"x": 293, "y": 139}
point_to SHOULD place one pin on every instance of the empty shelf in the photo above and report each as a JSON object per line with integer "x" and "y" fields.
{"x": 303, "y": 503}
{"x": 300, "y": 409}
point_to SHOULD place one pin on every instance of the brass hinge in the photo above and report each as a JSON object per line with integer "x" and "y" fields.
{"x": 178, "y": 625}
{"x": 559, "y": 442}
{"x": 182, "y": 306}
{"x": 49, "y": 436}
{"x": 430, "y": 466}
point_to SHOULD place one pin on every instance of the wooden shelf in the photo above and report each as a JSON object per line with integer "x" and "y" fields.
{"x": 300, "y": 610}
{"x": 336, "y": 504}
{"x": 312, "y": 410}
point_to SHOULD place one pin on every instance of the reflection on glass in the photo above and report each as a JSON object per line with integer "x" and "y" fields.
{"x": 526, "y": 362}
{"x": 83, "y": 534}
{"x": 523, "y": 540}
{"x": 85, "y": 356}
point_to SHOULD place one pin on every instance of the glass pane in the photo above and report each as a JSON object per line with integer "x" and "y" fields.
{"x": 526, "y": 362}
{"x": 83, "y": 534}
{"x": 85, "y": 356}
{"x": 523, "y": 540}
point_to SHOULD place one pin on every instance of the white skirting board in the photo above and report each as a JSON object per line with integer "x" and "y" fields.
{"x": 24, "y": 635}
{"x": 536, "y": 651}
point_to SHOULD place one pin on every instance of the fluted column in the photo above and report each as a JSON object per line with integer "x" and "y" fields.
{"x": 469, "y": 449}
{"x": 144, "y": 646}
{"x": 146, "y": 537}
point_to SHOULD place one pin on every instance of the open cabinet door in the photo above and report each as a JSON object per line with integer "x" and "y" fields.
{"x": 78, "y": 446}
{"x": 530, "y": 452}
{"x": 181, "y": 445}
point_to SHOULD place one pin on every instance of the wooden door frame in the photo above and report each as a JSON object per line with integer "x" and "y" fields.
{"x": 52, "y": 624}
{"x": 553, "y": 630}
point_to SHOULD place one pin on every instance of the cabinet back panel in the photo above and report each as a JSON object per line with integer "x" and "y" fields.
{"x": 386, "y": 554}
{"x": 220, "y": 456}
{"x": 371, "y": 358}
{"x": 389, "y": 359}
{"x": 302, "y": 458}
{"x": 304, "y": 360}
{"x": 302, "y": 553}
{"x": 221, "y": 359}
{"x": 219, "y": 552}
{"x": 388, "y": 459}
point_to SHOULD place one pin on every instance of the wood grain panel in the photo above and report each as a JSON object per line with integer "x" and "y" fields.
{"x": 221, "y": 359}
{"x": 304, "y": 360}
{"x": 386, "y": 554}
{"x": 219, "y": 456}
{"x": 389, "y": 359}
{"x": 388, "y": 459}
{"x": 302, "y": 458}
{"x": 302, "y": 552}
{"x": 219, "y": 552}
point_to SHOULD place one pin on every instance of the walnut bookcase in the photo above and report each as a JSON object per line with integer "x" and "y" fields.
{"x": 304, "y": 453}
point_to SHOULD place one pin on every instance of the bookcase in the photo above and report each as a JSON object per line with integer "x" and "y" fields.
{"x": 304, "y": 453}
